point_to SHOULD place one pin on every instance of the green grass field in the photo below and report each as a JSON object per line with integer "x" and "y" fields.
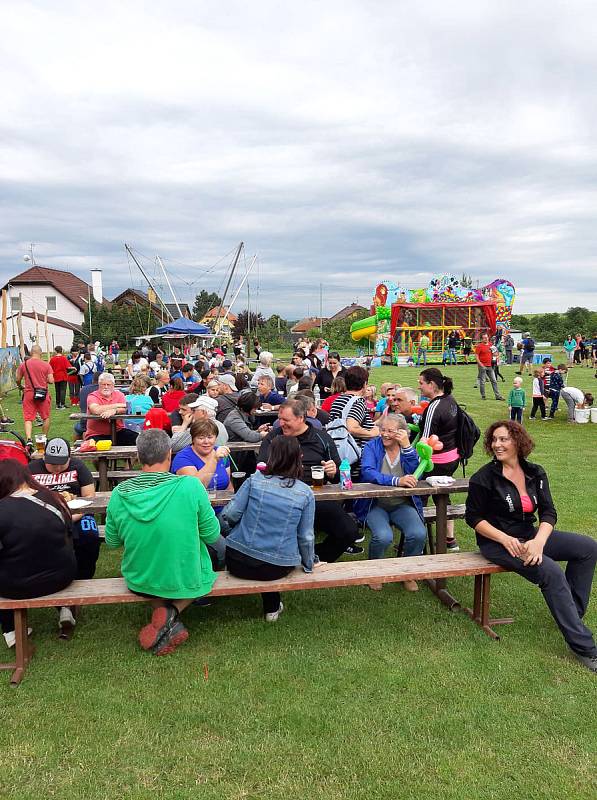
{"x": 352, "y": 694}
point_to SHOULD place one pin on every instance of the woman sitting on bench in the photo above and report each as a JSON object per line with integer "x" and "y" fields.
{"x": 269, "y": 523}
{"x": 390, "y": 460}
{"x": 36, "y": 549}
{"x": 503, "y": 498}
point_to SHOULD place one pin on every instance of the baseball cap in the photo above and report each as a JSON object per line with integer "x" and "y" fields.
{"x": 57, "y": 451}
{"x": 228, "y": 379}
{"x": 206, "y": 402}
{"x": 227, "y": 364}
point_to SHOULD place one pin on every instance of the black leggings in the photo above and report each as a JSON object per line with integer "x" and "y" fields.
{"x": 60, "y": 387}
{"x": 243, "y": 566}
{"x": 538, "y": 403}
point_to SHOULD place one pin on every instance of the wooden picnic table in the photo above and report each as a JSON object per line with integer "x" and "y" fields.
{"x": 129, "y": 453}
{"x": 112, "y": 420}
{"x": 332, "y": 491}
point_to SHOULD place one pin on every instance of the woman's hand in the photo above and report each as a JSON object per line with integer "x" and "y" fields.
{"x": 222, "y": 452}
{"x": 532, "y": 553}
{"x": 407, "y": 482}
{"x": 264, "y": 428}
{"x": 329, "y": 468}
{"x": 513, "y": 546}
{"x": 402, "y": 438}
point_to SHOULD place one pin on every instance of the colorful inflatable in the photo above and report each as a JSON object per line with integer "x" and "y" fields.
{"x": 402, "y": 316}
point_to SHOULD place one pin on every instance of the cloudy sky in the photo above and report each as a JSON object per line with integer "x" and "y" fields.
{"x": 343, "y": 142}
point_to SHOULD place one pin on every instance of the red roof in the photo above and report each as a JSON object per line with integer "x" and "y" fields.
{"x": 214, "y": 311}
{"x": 76, "y": 290}
{"x": 307, "y": 324}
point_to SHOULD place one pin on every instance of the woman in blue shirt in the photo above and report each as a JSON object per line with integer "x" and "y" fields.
{"x": 202, "y": 458}
{"x": 269, "y": 523}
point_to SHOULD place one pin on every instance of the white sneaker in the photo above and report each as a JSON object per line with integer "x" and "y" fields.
{"x": 273, "y": 617}
{"x": 11, "y": 638}
{"x": 66, "y": 623}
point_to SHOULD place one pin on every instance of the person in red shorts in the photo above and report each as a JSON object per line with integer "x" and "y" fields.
{"x": 38, "y": 375}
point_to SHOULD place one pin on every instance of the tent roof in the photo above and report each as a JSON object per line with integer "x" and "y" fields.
{"x": 185, "y": 327}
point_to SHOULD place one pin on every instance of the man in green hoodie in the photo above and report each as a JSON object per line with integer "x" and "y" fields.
{"x": 164, "y": 522}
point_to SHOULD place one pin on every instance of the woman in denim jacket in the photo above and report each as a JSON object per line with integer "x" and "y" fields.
{"x": 269, "y": 523}
{"x": 390, "y": 460}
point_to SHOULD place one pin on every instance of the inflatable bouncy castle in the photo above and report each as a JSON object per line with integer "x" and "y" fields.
{"x": 402, "y": 316}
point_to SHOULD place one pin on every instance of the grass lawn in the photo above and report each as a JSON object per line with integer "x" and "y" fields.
{"x": 352, "y": 694}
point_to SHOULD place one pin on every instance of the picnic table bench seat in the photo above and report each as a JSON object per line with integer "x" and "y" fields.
{"x": 101, "y": 591}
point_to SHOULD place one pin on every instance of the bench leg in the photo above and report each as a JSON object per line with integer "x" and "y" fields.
{"x": 23, "y": 650}
{"x": 480, "y": 610}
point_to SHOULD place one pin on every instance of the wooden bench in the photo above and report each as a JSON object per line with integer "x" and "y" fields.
{"x": 102, "y": 591}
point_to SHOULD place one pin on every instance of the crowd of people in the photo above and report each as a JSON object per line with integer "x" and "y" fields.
{"x": 174, "y": 540}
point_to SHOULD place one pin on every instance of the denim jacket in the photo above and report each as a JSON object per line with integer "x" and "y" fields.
{"x": 272, "y": 522}
{"x": 371, "y": 462}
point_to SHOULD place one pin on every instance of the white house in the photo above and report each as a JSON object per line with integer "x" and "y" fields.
{"x": 60, "y": 294}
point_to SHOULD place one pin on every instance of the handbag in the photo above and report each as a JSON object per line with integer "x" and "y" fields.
{"x": 39, "y": 394}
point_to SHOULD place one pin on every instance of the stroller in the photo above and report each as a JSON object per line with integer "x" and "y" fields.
{"x": 11, "y": 449}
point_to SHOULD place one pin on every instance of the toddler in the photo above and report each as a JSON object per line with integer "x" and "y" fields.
{"x": 538, "y": 391}
{"x": 516, "y": 400}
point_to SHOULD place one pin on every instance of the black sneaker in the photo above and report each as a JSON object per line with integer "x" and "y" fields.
{"x": 7, "y": 421}
{"x": 360, "y": 539}
{"x": 354, "y": 550}
{"x": 590, "y": 662}
{"x": 452, "y": 546}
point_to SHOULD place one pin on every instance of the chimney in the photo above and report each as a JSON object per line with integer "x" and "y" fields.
{"x": 96, "y": 285}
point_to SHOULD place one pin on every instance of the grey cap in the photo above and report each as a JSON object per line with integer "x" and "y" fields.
{"x": 57, "y": 451}
{"x": 227, "y": 378}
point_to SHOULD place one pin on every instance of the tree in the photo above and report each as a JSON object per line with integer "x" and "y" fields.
{"x": 241, "y": 326}
{"x": 205, "y": 301}
{"x": 118, "y": 322}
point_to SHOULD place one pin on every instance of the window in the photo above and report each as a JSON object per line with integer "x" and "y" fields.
{"x": 15, "y": 303}
{"x": 51, "y": 303}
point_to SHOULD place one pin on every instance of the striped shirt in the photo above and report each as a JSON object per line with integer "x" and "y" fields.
{"x": 358, "y": 412}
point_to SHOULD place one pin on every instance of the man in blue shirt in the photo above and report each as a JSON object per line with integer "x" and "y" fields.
{"x": 265, "y": 389}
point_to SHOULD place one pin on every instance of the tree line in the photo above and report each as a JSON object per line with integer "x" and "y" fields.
{"x": 554, "y": 327}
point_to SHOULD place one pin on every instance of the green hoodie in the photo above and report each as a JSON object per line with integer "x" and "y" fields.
{"x": 164, "y": 522}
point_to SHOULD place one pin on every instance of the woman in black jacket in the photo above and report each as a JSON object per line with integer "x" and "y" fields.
{"x": 504, "y": 497}
{"x": 36, "y": 549}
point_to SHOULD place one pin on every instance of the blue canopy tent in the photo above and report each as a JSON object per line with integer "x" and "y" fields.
{"x": 184, "y": 327}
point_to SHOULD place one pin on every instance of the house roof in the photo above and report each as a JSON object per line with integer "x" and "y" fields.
{"x": 347, "y": 311}
{"x": 76, "y": 290}
{"x": 60, "y": 323}
{"x": 307, "y": 323}
{"x": 184, "y": 307}
{"x": 212, "y": 313}
{"x": 132, "y": 296}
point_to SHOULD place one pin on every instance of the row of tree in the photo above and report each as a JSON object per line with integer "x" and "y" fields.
{"x": 555, "y": 327}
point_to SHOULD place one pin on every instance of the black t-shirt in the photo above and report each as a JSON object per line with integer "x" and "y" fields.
{"x": 325, "y": 379}
{"x": 317, "y": 446}
{"x": 441, "y": 417}
{"x": 36, "y": 551}
{"x": 71, "y": 480}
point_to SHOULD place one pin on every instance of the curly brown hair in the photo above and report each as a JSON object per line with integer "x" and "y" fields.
{"x": 522, "y": 440}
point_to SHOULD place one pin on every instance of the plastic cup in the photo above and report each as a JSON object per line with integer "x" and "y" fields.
{"x": 40, "y": 442}
{"x": 237, "y": 479}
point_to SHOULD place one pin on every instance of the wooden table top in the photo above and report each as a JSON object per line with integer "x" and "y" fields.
{"x": 327, "y": 492}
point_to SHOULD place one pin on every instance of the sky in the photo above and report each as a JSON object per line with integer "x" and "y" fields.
{"x": 343, "y": 142}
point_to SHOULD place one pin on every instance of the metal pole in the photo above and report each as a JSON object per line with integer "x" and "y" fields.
{"x": 237, "y": 256}
{"x": 159, "y": 260}
{"x": 149, "y": 283}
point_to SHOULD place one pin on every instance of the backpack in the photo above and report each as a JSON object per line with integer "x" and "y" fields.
{"x": 467, "y": 436}
{"x": 529, "y": 346}
{"x": 344, "y": 440}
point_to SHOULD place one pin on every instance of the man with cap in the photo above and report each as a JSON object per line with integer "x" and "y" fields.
{"x": 228, "y": 395}
{"x": 226, "y": 367}
{"x": 202, "y": 407}
{"x": 527, "y": 354}
{"x": 59, "y": 472}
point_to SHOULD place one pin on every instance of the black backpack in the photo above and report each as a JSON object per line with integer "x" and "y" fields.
{"x": 467, "y": 436}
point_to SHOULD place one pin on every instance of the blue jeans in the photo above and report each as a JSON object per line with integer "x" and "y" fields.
{"x": 406, "y": 517}
{"x": 451, "y": 356}
{"x": 422, "y": 351}
{"x": 516, "y": 414}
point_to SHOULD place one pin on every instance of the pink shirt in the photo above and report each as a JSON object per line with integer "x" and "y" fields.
{"x": 102, "y": 427}
{"x": 39, "y": 371}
